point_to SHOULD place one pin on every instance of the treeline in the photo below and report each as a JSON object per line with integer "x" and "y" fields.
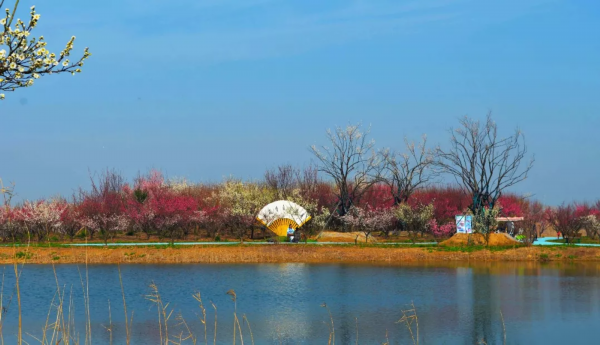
{"x": 151, "y": 205}
{"x": 353, "y": 186}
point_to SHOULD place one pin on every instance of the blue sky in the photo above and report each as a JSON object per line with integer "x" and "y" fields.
{"x": 204, "y": 89}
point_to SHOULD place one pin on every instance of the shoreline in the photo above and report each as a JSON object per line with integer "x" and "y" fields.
{"x": 292, "y": 254}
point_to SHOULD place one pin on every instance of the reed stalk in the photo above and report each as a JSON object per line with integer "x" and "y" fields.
{"x": 332, "y": 327}
{"x": 249, "y": 328}
{"x": 215, "y": 335}
{"x": 128, "y": 323}
{"x": 198, "y": 297}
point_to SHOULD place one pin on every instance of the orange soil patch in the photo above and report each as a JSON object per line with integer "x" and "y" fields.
{"x": 343, "y": 237}
{"x": 478, "y": 239}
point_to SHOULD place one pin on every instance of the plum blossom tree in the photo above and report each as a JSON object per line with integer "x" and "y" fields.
{"x": 566, "y": 220}
{"x": 215, "y": 221}
{"x": 105, "y": 217}
{"x": 193, "y": 220}
{"x": 591, "y": 223}
{"x": 414, "y": 220}
{"x": 24, "y": 58}
{"x": 70, "y": 222}
{"x": 368, "y": 220}
{"x": 166, "y": 208}
{"x": 172, "y": 213}
{"x": 242, "y": 202}
{"x": 139, "y": 207}
{"x": 9, "y": 224}
{"x": 140, "y": 214}
{"x": 103, "y": 207}
{"x": 441, "y": 231}
{"x": 486, "y": 222}
{"x": 447, "y": 201}
{"x": 41, "y": 217}
{"x": 590, "y": 218}
{"x": 536, "y": 221}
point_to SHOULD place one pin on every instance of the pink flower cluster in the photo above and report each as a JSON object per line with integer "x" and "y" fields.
{"x": 441, "y": 231}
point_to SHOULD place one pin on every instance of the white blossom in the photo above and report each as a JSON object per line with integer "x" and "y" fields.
{"x": 26, "y": 59}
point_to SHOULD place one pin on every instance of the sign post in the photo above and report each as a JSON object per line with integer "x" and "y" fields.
{"x": 464, "y": 224}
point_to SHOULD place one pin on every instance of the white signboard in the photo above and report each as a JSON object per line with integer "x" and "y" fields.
{"x": 463, "y": 224}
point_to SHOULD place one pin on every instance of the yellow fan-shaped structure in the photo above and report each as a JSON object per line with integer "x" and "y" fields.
{"x": 279, "y": 215}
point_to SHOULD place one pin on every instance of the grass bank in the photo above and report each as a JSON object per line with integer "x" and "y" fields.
{"x": 302, "y": 253}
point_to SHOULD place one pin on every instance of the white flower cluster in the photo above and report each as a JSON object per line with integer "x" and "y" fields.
{"x": 42, "y": 217}
{"x": 24, "y": 59}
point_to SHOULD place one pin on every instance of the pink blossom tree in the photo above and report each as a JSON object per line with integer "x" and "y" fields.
{"x": 590, "y": 218}
{"x": 567, "y": 220}
{"x": 537, "y": 218}
{"x": 103, "y": 207}
{"x": 368, "y": 220}
{"x": 441, "y": 231}
{"x": 70, "y": 220}
{"x": 172, "y": 213}
{"x": 140, "y": 205}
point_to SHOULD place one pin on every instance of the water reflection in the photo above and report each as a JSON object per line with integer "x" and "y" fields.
{"x": 457, "y": 303}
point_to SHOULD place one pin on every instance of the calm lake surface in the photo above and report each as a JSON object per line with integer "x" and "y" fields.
{"x": 456, "y": 303}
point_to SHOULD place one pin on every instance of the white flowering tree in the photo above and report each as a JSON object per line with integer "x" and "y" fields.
{"x": 24, "y": 58}
{"x": 415, "y": 220}
{"x": 42, "y": 217}
{"x": 242, "y": 202}
{"x": 9, "y": 224}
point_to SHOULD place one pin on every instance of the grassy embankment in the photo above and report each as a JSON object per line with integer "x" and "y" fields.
{"x": 304, "y": 253}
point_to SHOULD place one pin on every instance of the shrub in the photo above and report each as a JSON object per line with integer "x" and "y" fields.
{"x": 442, "y": 231}
{"x": 414, "y": 220}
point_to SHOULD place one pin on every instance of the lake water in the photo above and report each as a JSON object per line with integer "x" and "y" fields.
{"x": 456, "y": 303}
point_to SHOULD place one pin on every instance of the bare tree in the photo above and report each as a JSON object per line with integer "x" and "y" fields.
{"x": 483, "y": 163}
{"x": 351, "y": 162}
{"x": 308, "y": 181}
{"x": 282, "y": 180}
{"x": 8, "y": 227}
{"x": 406, "y": 172}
